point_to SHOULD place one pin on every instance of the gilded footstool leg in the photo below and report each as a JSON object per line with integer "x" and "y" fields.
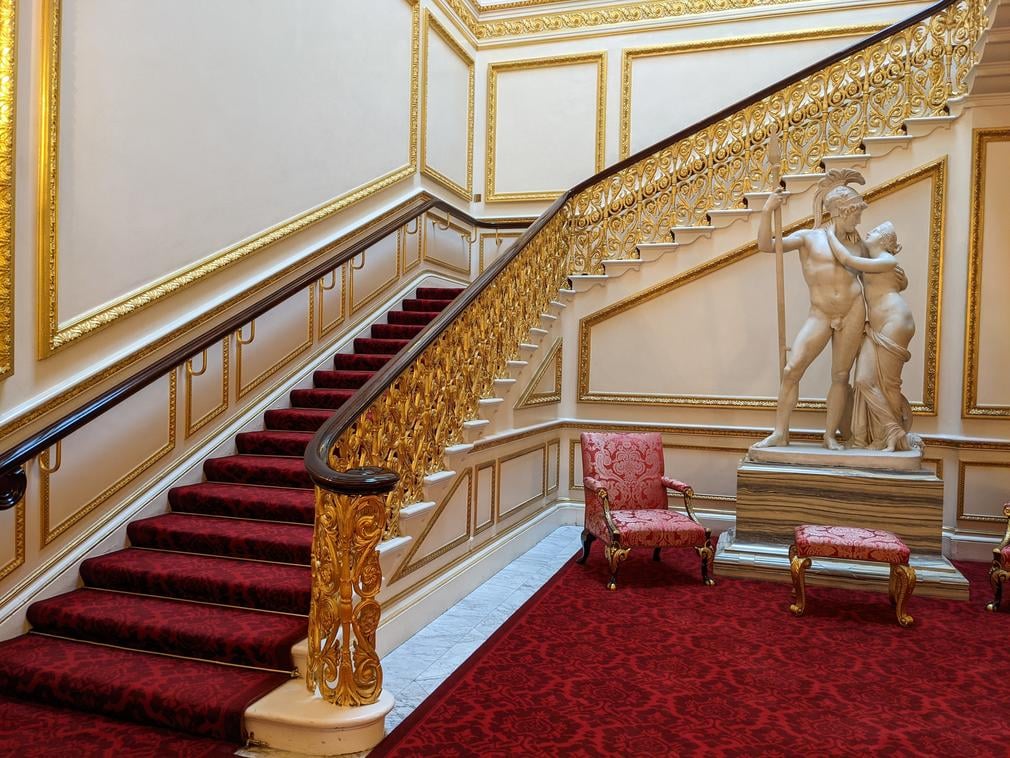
{"x": 997, "y": 576}
{"x": 798, "y": 567}
{"x": 615, "y": 556}
{"x": 904, "y": 586}
{"x": 891, "y": 584}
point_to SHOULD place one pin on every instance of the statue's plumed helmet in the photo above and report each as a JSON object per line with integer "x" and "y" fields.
{"x": 842, "y": 199}
{"x": 835, "y": 196}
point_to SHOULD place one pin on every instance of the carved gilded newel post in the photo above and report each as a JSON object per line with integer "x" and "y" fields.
{"x": 346, "y": 576}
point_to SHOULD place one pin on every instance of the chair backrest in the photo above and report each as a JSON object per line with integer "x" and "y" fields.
{"x": 630, "y": 466}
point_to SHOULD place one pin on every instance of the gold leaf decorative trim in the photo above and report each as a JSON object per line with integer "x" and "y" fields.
{"x": 935, "y": 172}
{"x": 192, "y": 427}
{"x": 631, "y": 54}
{"x": 8, "y": 96}
{"x": 502, "y": 516}
{"x": 19, "y": 542}
{"x": 409, "y": 565}
{"x": 962, "y": 515}
{"x": 244, "y": 389}
{"x": 530, "y": 398}
{"x": 494, "y": 70}
{"x": 464, "y": 192}
{"x": 492, "y": 493}
{"x": 325, "y": 327}
{"x": 970, "y": 407}
{"x": 50, "y": 532}
{"x": 52, "y": 335}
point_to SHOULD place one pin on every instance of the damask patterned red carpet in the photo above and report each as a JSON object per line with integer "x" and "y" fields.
{"x": 667, "y": 667}
{"x": 179, "y": 633}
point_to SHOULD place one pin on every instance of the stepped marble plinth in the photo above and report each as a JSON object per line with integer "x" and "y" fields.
{"x": 773, "y": 498}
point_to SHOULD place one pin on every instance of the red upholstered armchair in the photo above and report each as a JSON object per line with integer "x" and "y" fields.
{"x": 626, "y": 503}
{"x": 1000, "y": 570}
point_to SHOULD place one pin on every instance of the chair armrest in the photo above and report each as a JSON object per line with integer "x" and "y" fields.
{"x": 686, "y": 491}
{"x": 1006, "y": 537}
{"x": 601, "y": 492}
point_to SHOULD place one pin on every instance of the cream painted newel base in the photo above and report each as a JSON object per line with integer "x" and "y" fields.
{"x": 772, "y": 499}
{"x": 295, "y": 721}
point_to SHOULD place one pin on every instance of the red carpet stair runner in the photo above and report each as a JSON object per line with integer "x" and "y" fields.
{"x": 196, "y": 620}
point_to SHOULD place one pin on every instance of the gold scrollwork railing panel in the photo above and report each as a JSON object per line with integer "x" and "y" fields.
{"x": 346, "y": 577}
{"x": 411, "y": 423}
{"x": 870, "y": 93}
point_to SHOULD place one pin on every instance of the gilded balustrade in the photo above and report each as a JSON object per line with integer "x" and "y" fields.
{"x": 912, "y": 73}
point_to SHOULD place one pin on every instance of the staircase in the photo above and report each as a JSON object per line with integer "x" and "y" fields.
{"x": 196, "y": 620}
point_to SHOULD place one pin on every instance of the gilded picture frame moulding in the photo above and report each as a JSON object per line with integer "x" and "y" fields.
{"x": 599, "y": 58}
{"x": 8, "y": 99}
{"x": 432, "y": 24}
{"x": 935, "y": 172}
{"x": 970, "y": 406}
{"x": 53, "y": 335}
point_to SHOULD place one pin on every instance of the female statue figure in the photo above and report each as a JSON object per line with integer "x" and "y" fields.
{"x": 881, "y": 415}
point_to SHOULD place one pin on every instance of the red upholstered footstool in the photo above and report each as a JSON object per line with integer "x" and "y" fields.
{"x": 853, "y": 544}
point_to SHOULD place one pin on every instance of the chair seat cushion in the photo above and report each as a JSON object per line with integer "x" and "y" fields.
{"x": 1005, "y": 554}
{"x": 657, "y": 528}
{"x": 850, "y": 542}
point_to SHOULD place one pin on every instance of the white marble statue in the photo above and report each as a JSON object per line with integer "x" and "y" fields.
{"x": 855, "y": 304}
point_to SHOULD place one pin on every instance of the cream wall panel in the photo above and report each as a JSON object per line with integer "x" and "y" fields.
{"x": 380, "y": 267}
{"x": 521, "y": 478}
{"x": 283, "y": 333}
{"x": 483, "y": 499}
{"x": 13, "y": 542}
{"x": 983, "y": 488}
{"x": 546, "y": 121}
{"x": 332, "y": 306}
{"x": 448, "y": 527}
{"x": 659, "y": 83}
{"x": 206, "y": 387}
{"x": 447, "y": 121}
{"x": 994, "y": 317}
{"x": 492, "y": 246}
{"x": 412, "y": 252}
{"x": 553, "y": 465}
{"x": 447, "y": 243}
{"x": 96, "y": 462}
{"x": 212, "y": 122}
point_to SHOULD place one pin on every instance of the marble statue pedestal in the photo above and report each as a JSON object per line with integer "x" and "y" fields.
{"x": 773, "y": 498}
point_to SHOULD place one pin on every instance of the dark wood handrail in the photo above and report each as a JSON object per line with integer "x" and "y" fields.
{"x": 317, "y": 453}
{"x": 12, "y": 477}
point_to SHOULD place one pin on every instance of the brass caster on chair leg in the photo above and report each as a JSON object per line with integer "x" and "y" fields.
{"x": 991, "y": 607}
{"x": 611, "y": 585}
{"x": 796, "y": 610}
{"x": 710, "y": 582}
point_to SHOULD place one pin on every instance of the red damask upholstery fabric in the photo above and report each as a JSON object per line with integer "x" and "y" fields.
{"x": 850, "y": 542}
{"x": 655, "y": 528}
{"x": 630, "y": 466}
{"x": 1005, "y": 554}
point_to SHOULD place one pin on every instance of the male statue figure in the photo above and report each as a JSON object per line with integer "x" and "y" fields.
{"x": 837, "y": 310}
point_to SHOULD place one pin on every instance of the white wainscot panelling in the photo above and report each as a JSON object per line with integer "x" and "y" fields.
{"x": 448, "y": 528}
{"x": 281, "y": 334}
{"x": 520, "y": 480}
{"x": 708, "y": 470}
{"x": 448, "y": 110}
{"x": 545, "y": 129}
{"x": 483, "y": 498}
{"x": 206, "y": 388}
{"x": 553, "y": 465}
{"x": 660, "y": 82}
{"x": 213, "y": 121}
{"x": 994, "y": 344}
{"x": 492, "y": 246}
{"x": 330, "y": 300}
{"x": 449, "y": 247}
{"x": 380, "y": 268}
{"x": 101, "y": 459}
{"x": 983, "y": 489}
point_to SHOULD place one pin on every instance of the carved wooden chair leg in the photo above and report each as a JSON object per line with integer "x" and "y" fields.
{"x": 706, "y": 554}
{"x": 904, "y": 586}
{"x": 615, "y": 556}
{"x": 996, "y": 579}
{"x": 587, "y": 540}
{"x": 655, "y": 554}
{"x": 798, "y": 567}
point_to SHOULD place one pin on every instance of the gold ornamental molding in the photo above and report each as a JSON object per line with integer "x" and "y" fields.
{"x": 494, "y": 70}
{"x": 500, "y": 239}
{"x": 971, "y": 408}
{"x": 466, "y": 235}
{"x": 514, "y": 509}
{"x": 431, "y": 24}
{"x": 934, "y": 172}
{"x": 241, "y": 341}
{"x": 328, "y": 284}
{"x": 962, "y": 513}
{"x": 552, "y": 364}
{"x": 193, "y": 426}
{"x": 487, "y": 466}
{"x": 53, "y": 335}
{"x": 356, "y": 305}
{"x": 631, "y": 54}
{"x": 47, "y": 469}
{"x": 8, "y": 95}
{"x": 19, "y": 542}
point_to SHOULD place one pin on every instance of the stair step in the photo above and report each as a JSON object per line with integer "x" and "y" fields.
{"x": 245, "y": 501}
{"x": 439, "y": 293}
{"x": 296, "y": 419}
{"x": 341, "y": 380}
{"x": 225, "y": 581}
{"x": 378, "y": 347}
{"x": 126, "y": 684}
{"x": 876, "y": 146}
{"x": 258, "y": 469}
{"x": 320, "y": 397}
{"x": 411, "y": 317}
{"x": 194, "y": 630}
{"x": 357, "y": 362}
{"x": 396, "y": 331}
{"x": 420, "y": 304}
{"x": 273, "y": 442}
{"x": 68, "y": 731}
{"x": 235, "y": 538}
